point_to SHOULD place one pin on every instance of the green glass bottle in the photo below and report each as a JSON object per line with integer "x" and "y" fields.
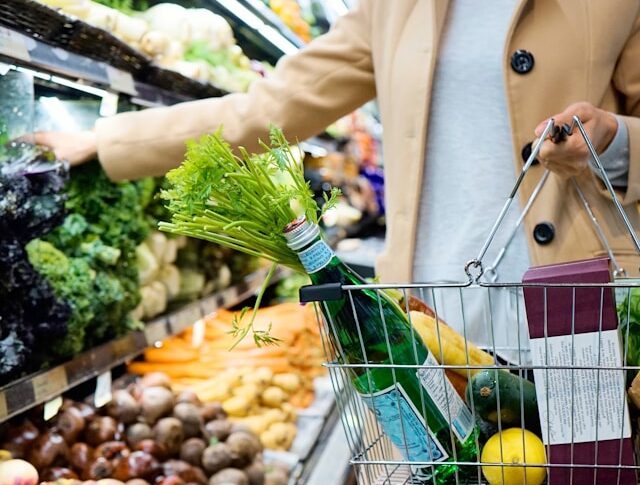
{"x": 413, "y": 407}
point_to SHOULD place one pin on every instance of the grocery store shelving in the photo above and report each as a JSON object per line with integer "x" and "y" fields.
{"x": 41, "y": 387}
{"x": 62, "y": 66}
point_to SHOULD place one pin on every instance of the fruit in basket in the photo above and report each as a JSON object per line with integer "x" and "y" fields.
{"x": 17, "y": 472}
{"x": 514, "y": 446}
{"x": 517, "y": 397}
{"x": 448, "y": 346}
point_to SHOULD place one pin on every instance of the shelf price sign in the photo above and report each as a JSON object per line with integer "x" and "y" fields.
{"x": 3, "y": 406}
{"x": 155, "y": 332}
{"x": 121, "y": 81}
{"x": 49, "y": 384}
{"x": 13, "y": 44}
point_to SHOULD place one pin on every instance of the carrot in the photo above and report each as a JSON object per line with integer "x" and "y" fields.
{"x": 170, "y": 355}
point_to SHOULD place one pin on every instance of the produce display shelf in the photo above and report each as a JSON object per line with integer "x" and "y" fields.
{"x": 42, "y": 387}
{"x": 166, "y": 87}
{"x": 328, "y": 461}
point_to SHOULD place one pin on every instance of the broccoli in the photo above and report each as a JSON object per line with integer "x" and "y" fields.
{"x": 72, "y": 280}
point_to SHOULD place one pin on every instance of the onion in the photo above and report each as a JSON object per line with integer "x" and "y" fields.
{"x": 18, "y": 472}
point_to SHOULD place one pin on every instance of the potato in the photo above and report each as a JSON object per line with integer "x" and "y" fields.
{"x": 243, "y": 447}
{"x": 237, "y": 406}
{"x": 219, "y": 429}
{"x": 289, "y": 382}
{"x": 191, "y": 451}
{"x": 189, "y": 415}
{"x": 216, "y": 457}
{"x": 123, "y": 407}
{"x": 169, "y": 433}
{"x": 249, "y": 391}
{"x": 229, "y": 476}
{"x": 273, "y": 397}
{"x": 156, "y": 402}
{"x": 264, "y": 374}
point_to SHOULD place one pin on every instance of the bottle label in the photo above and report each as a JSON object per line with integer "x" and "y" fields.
{"x": 316, "y": 257}
{"x": 446, "y": 399}
{"x": 403, "y": 424}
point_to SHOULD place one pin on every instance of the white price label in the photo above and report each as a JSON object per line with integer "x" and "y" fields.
{"x": 13, "y": 44}
{"x": 121, "y": 81}
{"x": 52, "y": 407}
{"x": 103, "y": 390}
{"x": 197, "y": 336}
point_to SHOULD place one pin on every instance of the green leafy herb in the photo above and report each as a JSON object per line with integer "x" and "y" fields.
{"x": 242, "y": 202}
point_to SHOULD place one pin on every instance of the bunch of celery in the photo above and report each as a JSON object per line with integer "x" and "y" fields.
{"x": 242, "y": 202}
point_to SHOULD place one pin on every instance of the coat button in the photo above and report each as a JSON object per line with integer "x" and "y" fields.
{"x": 526, "y": 153}
{"x": 544, "y": 233}
{"x": 522, "y": 61}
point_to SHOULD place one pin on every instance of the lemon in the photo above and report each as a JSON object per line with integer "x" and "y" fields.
{"x": 517, "y": 446}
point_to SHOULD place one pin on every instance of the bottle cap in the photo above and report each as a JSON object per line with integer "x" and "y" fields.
{"x": 299, "y": 233}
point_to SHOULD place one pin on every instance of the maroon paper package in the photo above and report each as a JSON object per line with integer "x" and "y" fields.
{"x": 572, "y": 430}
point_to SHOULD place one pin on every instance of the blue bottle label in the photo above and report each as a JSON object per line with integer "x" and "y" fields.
{"x": 403, "y": 424}
{"x": 316, "y": 257}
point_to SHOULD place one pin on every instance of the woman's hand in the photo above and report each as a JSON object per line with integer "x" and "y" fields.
{"x": 570, "y": 157}
{"x": 75, "y": 147}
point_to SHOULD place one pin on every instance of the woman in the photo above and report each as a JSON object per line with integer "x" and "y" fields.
{"x": 462, "y": 90}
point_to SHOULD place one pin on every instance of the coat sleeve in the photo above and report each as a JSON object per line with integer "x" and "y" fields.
{"x": 626, "y": 80}
{"x": 330, "y": 77}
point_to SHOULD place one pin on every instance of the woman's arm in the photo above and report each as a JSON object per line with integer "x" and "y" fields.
{"x": 327, "y": 79}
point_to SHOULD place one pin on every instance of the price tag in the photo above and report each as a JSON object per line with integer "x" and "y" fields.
{"x": 155, "y": 332}
{"x": 3, "y": 406}
{"x": 49, "y": 384}
{"x": 103, "y": 390}
{"x": 52, "y": 407}
{"x": 13, "y": 44}
{"x": 197, "y": 336}
{"x": 121, "y": 81}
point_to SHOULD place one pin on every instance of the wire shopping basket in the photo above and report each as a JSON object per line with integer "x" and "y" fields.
{"x": 524, "y": 383}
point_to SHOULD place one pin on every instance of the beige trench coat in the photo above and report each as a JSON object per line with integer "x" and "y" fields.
{"x": 584, "y": 50}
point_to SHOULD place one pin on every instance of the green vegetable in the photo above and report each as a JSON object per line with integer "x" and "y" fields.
{"x": 628, "y": 308}
{"x": 98, "y": 238}
{"x": 72, "y": 280}
{"x": 242, "y": 202}
{"x": 514, "y": 393}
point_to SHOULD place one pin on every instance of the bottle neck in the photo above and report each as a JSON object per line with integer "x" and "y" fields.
{"x": 305, "y": 239}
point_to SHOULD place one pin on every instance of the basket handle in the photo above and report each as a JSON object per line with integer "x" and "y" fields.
{"x": 474, "y": 268}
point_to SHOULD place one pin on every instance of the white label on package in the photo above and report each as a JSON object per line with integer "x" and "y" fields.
{"x": 445, "y": 397}
{"x": 573, "y": 401}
